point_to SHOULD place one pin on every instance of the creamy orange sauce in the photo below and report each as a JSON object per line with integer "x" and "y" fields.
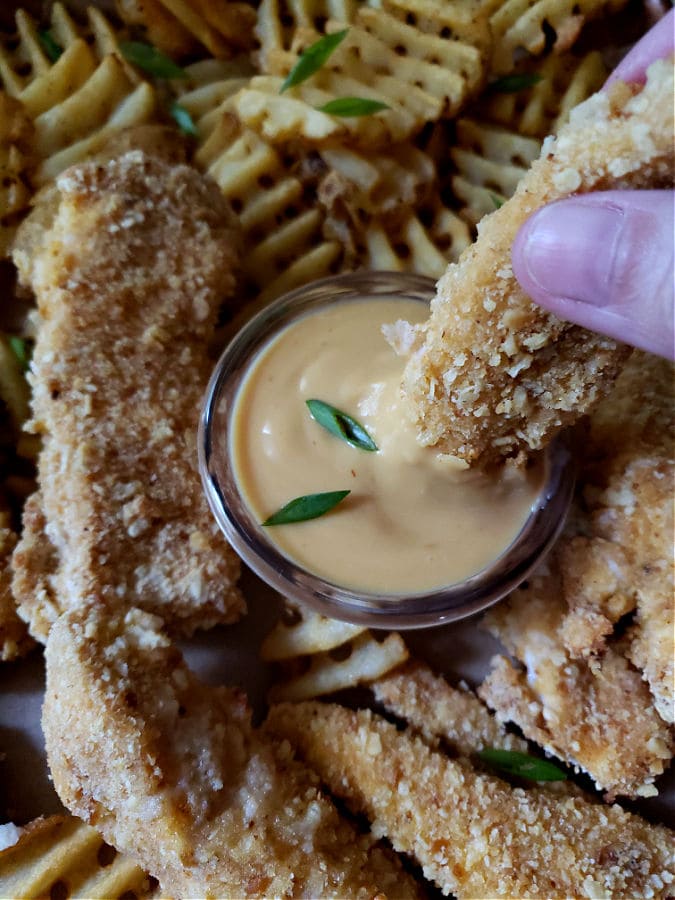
{"x": 415, "y": 520}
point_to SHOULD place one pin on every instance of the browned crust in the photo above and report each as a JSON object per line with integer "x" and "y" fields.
{"x": 14, "y": 638}
{"x": 473, "y": 835}
{"x": 170, "y": 771}
{"x": 129, "y": 264}
{"x": 492, "y": 374}
{"x": 597, "y": 715}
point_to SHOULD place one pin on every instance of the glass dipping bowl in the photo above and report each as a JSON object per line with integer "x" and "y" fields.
{"x": 251, "y": 541}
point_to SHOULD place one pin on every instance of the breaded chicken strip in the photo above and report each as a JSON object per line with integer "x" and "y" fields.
{"x": 598, "y": 717}
{"x": 130, "y": 260}
{"x": 14, "y": 638}
{"x": 629, "y": 489}
{"x": 473, "y": 835}
{"x": 437, "y": 710}
{"x": 171, "y": 772}
{"x": 491, "y": 374}
{"x": 454, "y": 718}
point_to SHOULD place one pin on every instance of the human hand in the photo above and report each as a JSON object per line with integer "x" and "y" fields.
{"x": 605, "y": 260}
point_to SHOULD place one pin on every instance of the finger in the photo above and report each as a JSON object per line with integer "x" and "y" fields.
{"x": 657, "y": 43}
{"x": 604, "y": 261}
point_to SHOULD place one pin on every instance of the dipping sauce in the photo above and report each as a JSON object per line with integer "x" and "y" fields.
{"x": 415, "y": 520}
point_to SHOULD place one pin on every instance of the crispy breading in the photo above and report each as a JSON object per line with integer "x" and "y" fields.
{"x": 491, "y": 374}
{"x": 454, "y": 718}
{"x": 629, "y": 484}
{"x": 597, "y": 584}
{"x": 598, "y": 717}
{"x": 472, "y": 834}
{"x": 171, "y": 772}
{"x": 437, "y": 710}
{"x": 14, "y": 638}
{"x": 129, "y": 263}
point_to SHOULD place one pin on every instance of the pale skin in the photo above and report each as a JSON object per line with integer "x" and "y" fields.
{"x": 605, "y": 260}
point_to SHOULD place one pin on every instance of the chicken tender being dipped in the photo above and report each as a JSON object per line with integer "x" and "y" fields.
{"x": 130, "y": 260}
{"x": 491, "y": 375}
{"x": 171, "y": 771}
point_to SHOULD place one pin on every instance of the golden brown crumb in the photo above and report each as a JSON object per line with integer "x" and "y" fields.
{"x": 129, "y": 262}
{"x": 598, "y": 716}
{"x": 490, "y": 373}
{"x": 14, "y": 638}
{"x": 629, "y": 484}
{"x": 437, "y": 710}
{"x": 171, "y": 772}
{"x": 473, "y": 835}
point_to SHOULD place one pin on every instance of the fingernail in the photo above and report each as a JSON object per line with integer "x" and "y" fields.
{"x": 571, "y": 250}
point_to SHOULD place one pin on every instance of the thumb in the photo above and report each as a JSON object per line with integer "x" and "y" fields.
{"x": 604, "y": 261}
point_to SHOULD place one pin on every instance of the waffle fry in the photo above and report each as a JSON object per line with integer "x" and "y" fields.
{"x": 74, "y": 105}
{"x": 420, "y": 76}
{"x": 278, "y": 21}
{"x": 62, "y": 857}
{"x": 23, "y": 59}
{"x": 424, "y": 243}
{"x": 540, "y": 110}
{"x": 301, "y": 631}
{"x": 490, "y": 162}
{"x": 534, "y": 26}
{"x": 283, "y": 235}
{"x": 357, "y": 661}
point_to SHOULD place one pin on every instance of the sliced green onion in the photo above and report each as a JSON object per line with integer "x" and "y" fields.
{"x": 311, "y": 506}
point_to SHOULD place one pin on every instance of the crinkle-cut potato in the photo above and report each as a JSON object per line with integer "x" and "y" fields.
{"x": 466, "y": 21}
{"x": 14, "y": 638}
{"x": 74, "y": 105}
{"x": 473, "y": 835}
{"x": 279, "y": 118}
{"x": 356, "y": 661}
{"x": 284, "y": 245}
{"x": 420, "y": 76}
{"x": 358, "y": 186}
{"x": 531, "y": 25}
{"x": 620, "y": 740}
{"x": 385, "y": 211}
{"x": 62, "y": 857}
{"x": 423, "y": 243}
{"x": 180, "y": 28}
{"x": 278, "y": 20}
{"x": 301, "y": 631}
{"x": 172, "y": 773}
{"x": 540, "y": 110}
{"x": 490, "y": 162}
{"x": 490, "y": 375}
{"x": 16, "y": 150}
{"x": 23, "y": 59}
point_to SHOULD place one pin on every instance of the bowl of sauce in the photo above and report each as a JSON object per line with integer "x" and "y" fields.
{"x": 317, "y": 480}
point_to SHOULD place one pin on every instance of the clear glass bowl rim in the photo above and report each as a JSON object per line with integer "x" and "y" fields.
{"x": 379, "y": 610}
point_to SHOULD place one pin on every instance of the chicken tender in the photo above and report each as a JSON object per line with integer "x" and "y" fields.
{"x": 473, "y": 835}
{"x": 597, "y": 717}
{"x": 14, "y": 638}
{"x": 130, "y": 260}
{"x": 437, "y": 710}
{"x": 490, "y": 374}
{"x": 171, "y": 772}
